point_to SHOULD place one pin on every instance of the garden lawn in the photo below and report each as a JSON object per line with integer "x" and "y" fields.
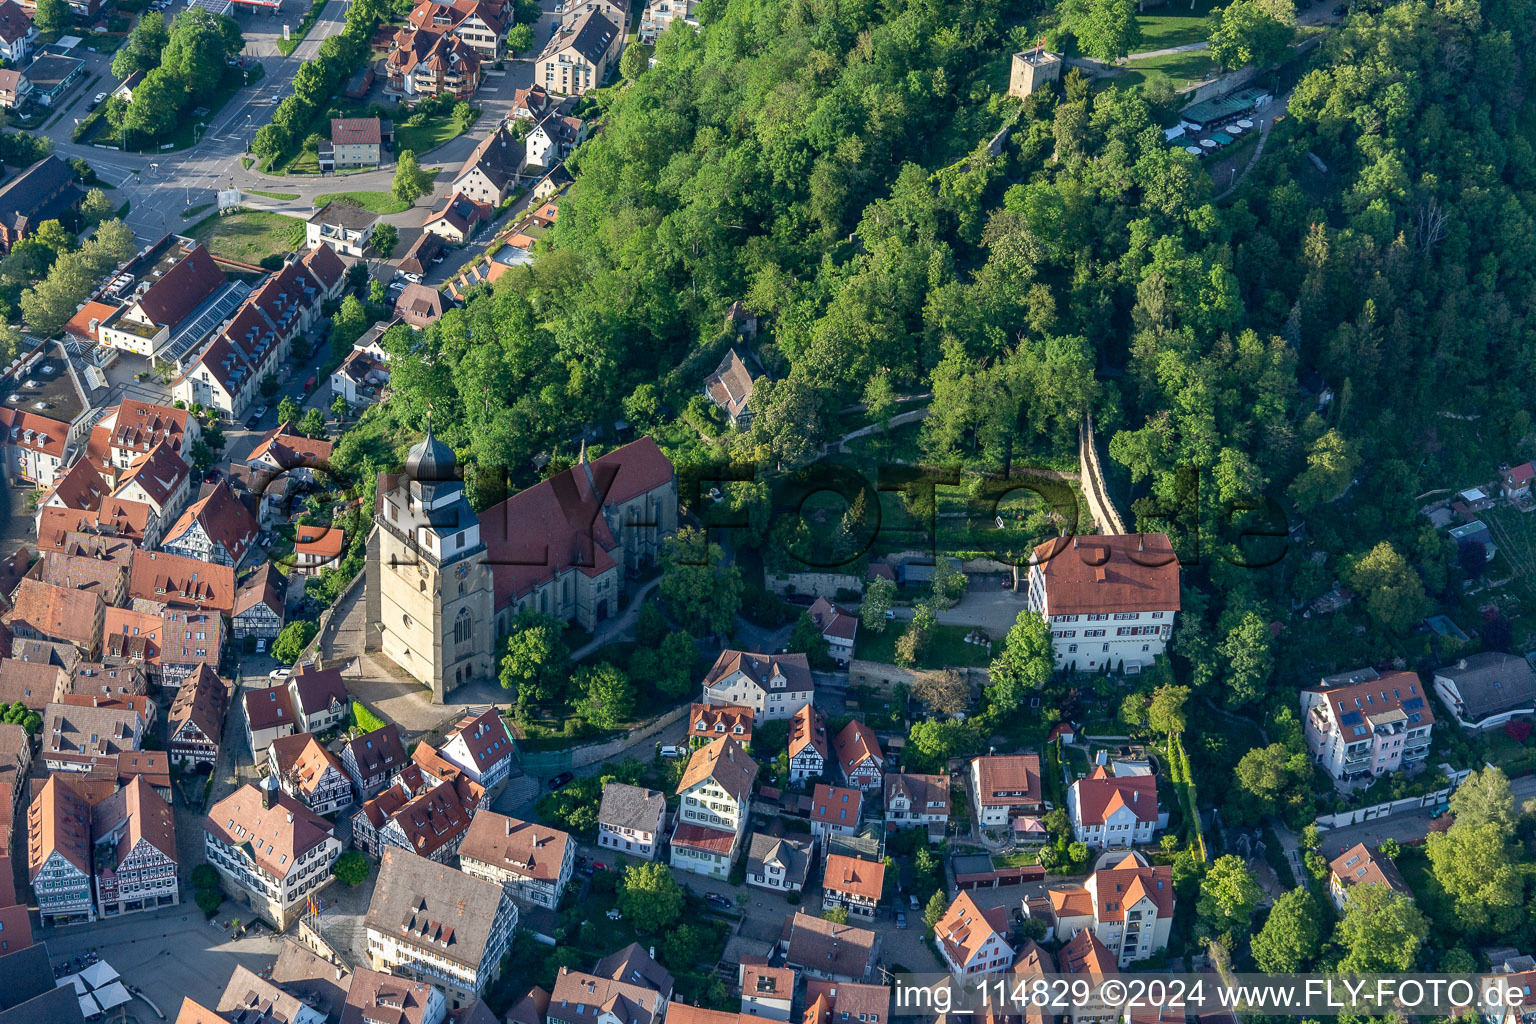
{"x": 285, "y": 196}
{"x": 1177, "y": 69}
{"x": 946, "y": 646}
{"x": 377, "y": 202}
{"x": 1173, "y": 24}
{"x": 423, "y": 138}
{"x": 249, "y": 235}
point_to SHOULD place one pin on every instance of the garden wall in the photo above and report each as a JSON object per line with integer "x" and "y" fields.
{"x": 821, "y": 584}
{"x": 1356, "y": 815}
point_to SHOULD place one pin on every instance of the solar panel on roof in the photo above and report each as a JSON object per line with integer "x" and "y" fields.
{"x": 1353, "y": 718}
{"x": 1413, "y": 703}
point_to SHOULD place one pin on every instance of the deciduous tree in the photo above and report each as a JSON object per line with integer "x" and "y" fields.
{"x": 1291, "y": 937}
{"x": 1024, "y": 664}
{"x": 650, "y": 897}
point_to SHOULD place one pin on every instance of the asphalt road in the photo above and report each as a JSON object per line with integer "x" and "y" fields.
{"x": 161, "y": 186}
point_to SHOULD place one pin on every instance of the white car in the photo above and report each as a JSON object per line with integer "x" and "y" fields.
{"x": 279, "y": 675}
{"x": 677, "y": 751}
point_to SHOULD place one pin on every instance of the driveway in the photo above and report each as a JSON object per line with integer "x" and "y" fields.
{"x": 986, "y": 606}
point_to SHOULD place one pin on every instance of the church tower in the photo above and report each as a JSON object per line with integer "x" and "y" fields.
{"x": 429, "y": 572}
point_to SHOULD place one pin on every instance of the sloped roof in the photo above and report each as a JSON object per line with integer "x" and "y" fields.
{"x": 808, "y": 728}
{"x": 81, "y": 487}
{"x": 730, "y": 386}
{"x": 150, "y": 820}
{"x": 1119, "y": 573}
{"x": 1008, "y": 773}
{"x": 1492, "y": 682}
{"x": 725, "y": 761}
{"x": 262, "y": 585}
{"x": 203, "y": 700}
{"x": 188, "y": 284}
{"x": 303, "y": 759}
{"x": 378, "y": 752}
{"x": 223, "y": 517}
{"x": 177, "y": 580}
{"x": 1358, "y": 865}
{"x": 626, "y": 806}
{"x": 834, "y": 948}
{"x": 268, "y": 707}
{"x": 855, "y": 745}
{"x": 1085, "y": 954}
{"x": 1100, "y": 795}
{"x": 854, "y": 876}
{"x": 761, "y": 668}
{"x": 159, "y": 473}
{"x": 709, "y": 720}
{"x": 533, "y": 851}
{"x": 356, "y": 131}
{"x": 277, "y": 836}
{"x": 965, "y": 927}
{"x": 54, "y": 611}
{"x": 59, "y": 820}
{"x": 426, "y": 904}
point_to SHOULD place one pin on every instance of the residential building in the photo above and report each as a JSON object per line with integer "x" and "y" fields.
{"x": 839, "y": 628}
{"x": 42, "y": 192}
{"x": 372, "y": 758}
{"x": 81, "y": 488}
{"x": 284, "y": 450}
{"x": 252, "y": 999}
{"x": 779, "y": 863}
{"x": 33, "y": 682}
{"x": 346, "y": 229}
{"x": 550, "y": 141}
{"x": 1110, "y": 601}
{"x": 1360, "y": 725}
{"x": 835, "y": 811}
{"x": 711, "y": 721}
{"x": 817, "y": 948}
{"x": 853, "y": 884}
{"x": 158, "y": 580}
{"x": 75, "y": 737}
{"x": 227, "y": 372}
{"x": 1484, "y": 691}
{"x": 309, "y": 773}
{"x": 1127, "y": 905}
{"x": 480, "y": 24}
{"x": 125, "y": 88}
{"x": 162, "y": 480}
{"x": 829, "y": 1002}
{"x": 102, "y": 576}
{"x": 272, "y": 853}
{"x": 259, "y": 604}
{"x": 582, "y": 998}
{"x": 730, "y": 388}
{"x": 616, "y": 11}
{"x": 316, "y": 547}
{"x": 432, "y": 923}
{"x": 41, "y": 611}
{"x": 195, "y": 723}
{"x": 15, "y": 762}
{"x": 133, "y": 842}
{"x": 766, "y": 992}
{"x": 774, "y": 686}
{"x": 190, "y": 638}
{"x": 166, "y": 295}
{"x": 459, "y": 220}
{"x": 660, "y": 14}
{"x": 369, "y": 819}
{"x": 419, "y": 305}
{"x": 859, "y": 760}
{"x": 577, "y": 56}
{"x": 1110, "y": 811}
{"x": 374, "y": 996}
{"x": 530, "y": 104}
{"x": 974, "y": 941}
{"x": 17, "y": 34}
{"x": 268, "y": 716}
{"x": 1516, "y": 482}
{"x": 481, "y": 747}
{"x": 807, "y": 744}
{"x": 133, "y": 429}
{"x": 1359, "y": 865}
{"x": 1005, "y": 786}
{"x": 432, "y": 824}
{"x": 15, "y": 90}
{"x": 715, "y": 804}
{"x": 98, "y": 679}
{"x": 354, "y": 142}
{"x": 631, "y": 819}
{"x": 320, "y": 700}
{"x": 432, "y": 63}
{"x": 634, "y": 965}
{"x": 917, "y": 801}
{"x": 59, "y": 854}
{"x": 364, "y": 375}
{"x": 531, "y": 862}
{"x": 216, "y": 528}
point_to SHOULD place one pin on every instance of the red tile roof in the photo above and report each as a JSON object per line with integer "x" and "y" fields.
{"x": 80, "y": 324}
{"x": 1005, "y": 775}
{"x": 179, "y": 581}
{"x": 1120, "y": 573}
{"x": 288, "y": 449}
{"x": 698, "y": 837}
{"x": 836, "y": 805}
{"x": 706, "y": 721}
{"x": 1359, "y": 866}
{"x": 853, "y": 876}
{"x": 1085, "y": 954}
{"x": 355, "y": 131}
{"x": 1127, "y": 882}
{"x": 965, "y": 928}
{"x": 159, "y": 473}
{"x": 223, "y": 517}
{"x": 132, "y": 635}
{"x": 319, "y": 541}
{"x": 55, "y": 612}
{"x": 268, "y": 707}
{"x": 486, "y": 737}
{"x": 533, "y": 851}
{"x": 544, "y": 523}
{"x": 35, "y": 432}
{"x": 808, "y": 728}
{"x": 81, "y": 487}
{"x": 726, "y": 762}
{"x": 287, "y": 829}
{"x": 1100, "y": 795}
{"x": 856, "y": 745}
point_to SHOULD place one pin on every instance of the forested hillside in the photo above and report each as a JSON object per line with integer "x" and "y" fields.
{"x": 825, "y": 162}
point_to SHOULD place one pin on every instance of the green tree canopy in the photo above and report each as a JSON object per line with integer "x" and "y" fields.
{"x": 1381, "y": 930}
{"x": 1292, "y": 934}
{"x": 701, "y": 590}
{"x": 650, "y": 897}
{"x": 1229, "y": 894}
{"x": 1024, "y": 664}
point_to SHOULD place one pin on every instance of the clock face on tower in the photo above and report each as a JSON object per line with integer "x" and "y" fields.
{"x": 461, "y": 571}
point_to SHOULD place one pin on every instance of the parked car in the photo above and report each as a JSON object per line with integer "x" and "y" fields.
{"x": 674, "y": 751}
{"x": 714, "y": 899}
{"x": 211, "y": 477}
{"x": 261, "y": 645}
{"x": 901, "y": 919}
{"x": 256, "y": 416}
{"x": 100, "y": 98}
{"x": 560, "y": 781}
{"x": 913, "y": 898}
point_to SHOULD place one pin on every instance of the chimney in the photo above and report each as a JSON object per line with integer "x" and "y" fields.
{"x": 509, "y": 826}
{"x": 1462, "y": 664}
{"x": 1141, "y": 542}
